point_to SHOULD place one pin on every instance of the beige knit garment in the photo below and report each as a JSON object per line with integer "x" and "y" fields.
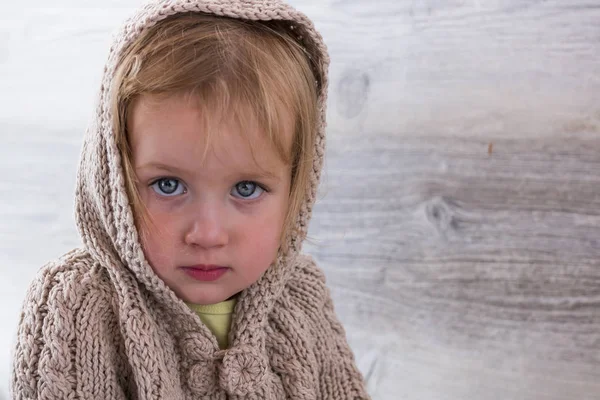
{"x": 99, "y": 324}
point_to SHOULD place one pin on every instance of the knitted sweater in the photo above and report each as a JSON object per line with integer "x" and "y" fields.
{"x": 99, "y": 323}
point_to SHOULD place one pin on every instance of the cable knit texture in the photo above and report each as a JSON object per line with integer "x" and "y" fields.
{"x": 99, "y": 324}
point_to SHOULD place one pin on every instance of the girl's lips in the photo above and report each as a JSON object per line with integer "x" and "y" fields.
{"x": 205, "y": 273}
{"x": 205, "y": 267}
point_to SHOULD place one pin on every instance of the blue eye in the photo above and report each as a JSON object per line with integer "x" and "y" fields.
{"x": 247, "y": 190}
{"x": 168, "y": 187}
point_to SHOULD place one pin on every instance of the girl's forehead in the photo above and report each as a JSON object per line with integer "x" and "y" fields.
{"x": 207, "y": 117}
{"x": 174, "y": 131}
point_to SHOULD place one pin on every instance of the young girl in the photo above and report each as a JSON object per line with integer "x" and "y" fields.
{"x": 194, "y": 192}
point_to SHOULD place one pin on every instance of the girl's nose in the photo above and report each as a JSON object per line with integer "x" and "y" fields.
{"x": 207, "y": 230}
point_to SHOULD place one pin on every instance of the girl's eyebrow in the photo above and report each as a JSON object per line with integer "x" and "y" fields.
{"x": 164, "y": 167}
{"x": 261, "y": 173}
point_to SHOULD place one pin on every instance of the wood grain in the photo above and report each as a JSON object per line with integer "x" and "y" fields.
{"x": 492, "y": 261}
{"x": 459, "y": 219}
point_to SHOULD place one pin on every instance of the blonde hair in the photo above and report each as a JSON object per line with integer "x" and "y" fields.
{"x": 227, "y": 64}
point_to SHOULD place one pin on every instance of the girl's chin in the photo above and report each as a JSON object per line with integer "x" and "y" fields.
{"x": 207, "y": 299}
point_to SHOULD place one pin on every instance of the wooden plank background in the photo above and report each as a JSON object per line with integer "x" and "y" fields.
{"x": 459, "y": 217}
{"x": 459, "y": 222}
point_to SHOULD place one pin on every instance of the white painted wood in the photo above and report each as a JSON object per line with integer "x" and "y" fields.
{"x": 463, "y": 274}
{"x": 459, "y": 223}
{"x": 461, "y": 270}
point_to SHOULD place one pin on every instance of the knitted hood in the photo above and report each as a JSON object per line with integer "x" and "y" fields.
{"x": 103, "y": 214}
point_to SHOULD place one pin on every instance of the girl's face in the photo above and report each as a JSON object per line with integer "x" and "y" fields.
{"x": 215, "y": 222}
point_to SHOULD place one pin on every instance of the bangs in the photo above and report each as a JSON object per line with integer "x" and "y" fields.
{"x": 225, "y": 105}
{"x": 230, "y": 67}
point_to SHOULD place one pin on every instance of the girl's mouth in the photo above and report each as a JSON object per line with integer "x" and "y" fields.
{"x": 205, "y": 273}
